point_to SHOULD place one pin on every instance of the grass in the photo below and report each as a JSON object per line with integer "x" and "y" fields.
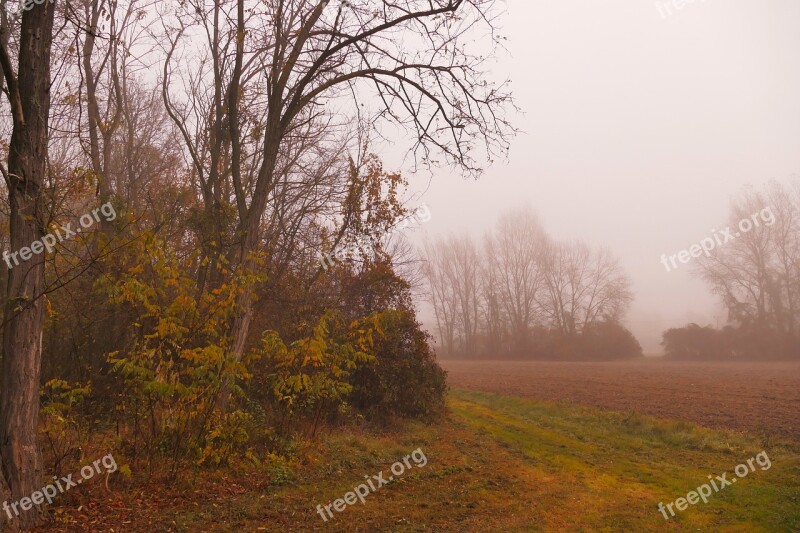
{"x": 497, "y": 463}
{"x": 608, "y": 471}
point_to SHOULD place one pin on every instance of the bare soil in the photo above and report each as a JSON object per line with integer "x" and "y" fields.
{"x": 762, "y": 398}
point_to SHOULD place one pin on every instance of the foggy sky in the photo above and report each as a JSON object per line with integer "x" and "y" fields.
{"x": 637, "y": 131}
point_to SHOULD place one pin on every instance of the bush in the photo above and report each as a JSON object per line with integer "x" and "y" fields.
{"x": 310, "y": 379}
{"x": 744, "y": 342}
{"x": 405, "y": 380}
{"x": 381, "y": 365}
{"x": 605, "y": 341}
{"x": 601, "y": 341}
{"x": 176, "y": 357}
{"x": 694, "y": 343}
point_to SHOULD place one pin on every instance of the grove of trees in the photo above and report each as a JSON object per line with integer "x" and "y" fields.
{"x": 519, "y": 294}
{"x": 235, "y": 140}
{"x": 757, "y": 278}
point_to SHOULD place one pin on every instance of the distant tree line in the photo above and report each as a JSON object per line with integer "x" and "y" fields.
{"x": 757, "y": 277}
{"x": 521, "y": 295}
{"x": 694, "y": 342}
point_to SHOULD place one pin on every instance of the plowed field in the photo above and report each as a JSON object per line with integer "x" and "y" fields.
{"x": 754, "y": 397}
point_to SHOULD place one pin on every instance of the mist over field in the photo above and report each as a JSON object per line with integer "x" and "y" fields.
{"x": 431, "y": 265}
{"x": 637, "y": 131}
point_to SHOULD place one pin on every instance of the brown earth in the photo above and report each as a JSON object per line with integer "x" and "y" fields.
{"x": 759, "y": 398}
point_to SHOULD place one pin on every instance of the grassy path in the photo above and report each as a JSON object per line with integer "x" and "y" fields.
{"x": 608, "y": 471}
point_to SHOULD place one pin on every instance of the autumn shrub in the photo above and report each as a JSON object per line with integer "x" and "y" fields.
{"x": 63, "y": 428}
{"x": 173, "y": 367}
{"x": 311, "y": 378}
{"x": 405, "y": 379}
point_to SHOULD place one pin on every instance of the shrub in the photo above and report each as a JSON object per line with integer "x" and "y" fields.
{"x": 405, "y": 379}
{"x": 310, "y": 378}
{"x": 65, "y": 432}
{"x": 176, "y": 357}
{"x": 603, "y": 341}
{"x": 741, "y": 342}
{"x": 600, "y": 341}
{"x": 694, "y": 342}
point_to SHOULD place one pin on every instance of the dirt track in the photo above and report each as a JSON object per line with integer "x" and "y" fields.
{"x": 754, "y": 397}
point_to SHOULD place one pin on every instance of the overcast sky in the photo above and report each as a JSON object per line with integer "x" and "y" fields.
{"x": 638, "y": 129}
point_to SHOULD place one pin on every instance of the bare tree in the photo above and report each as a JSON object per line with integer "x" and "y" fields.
{"x": 495, "y": 323}
{"x": 443, "y": 296}
{"x": 757, "y": 274}
{"x": 517, "y": 251}
{"x": 584, "y": 287}
{"x": 102, "y": 124}
{"x": 459, "y": 266}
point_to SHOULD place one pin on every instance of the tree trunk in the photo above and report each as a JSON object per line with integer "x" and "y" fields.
{"x": 240, "y": 327}
{"x": 22, "y": 331}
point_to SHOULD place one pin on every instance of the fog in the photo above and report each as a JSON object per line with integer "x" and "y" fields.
{"x": 523, "y": 264}
{"x": 637, "y": 129}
